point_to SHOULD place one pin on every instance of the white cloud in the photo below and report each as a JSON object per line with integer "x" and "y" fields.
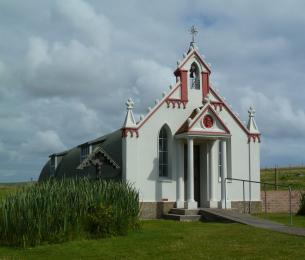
{"x": 38, "y": 52}
{"x": 276, "y": 115}
{"x": 45, "y": 142}
{"x": 94, "y": 27}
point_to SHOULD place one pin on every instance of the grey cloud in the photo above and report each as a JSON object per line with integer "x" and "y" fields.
{"x": 67, "y": 69}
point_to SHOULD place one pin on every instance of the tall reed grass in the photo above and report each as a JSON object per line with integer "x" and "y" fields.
{"x": 57, "y": 211}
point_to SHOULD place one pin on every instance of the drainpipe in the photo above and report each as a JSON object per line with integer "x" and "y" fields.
{"x": 250, "y": 174}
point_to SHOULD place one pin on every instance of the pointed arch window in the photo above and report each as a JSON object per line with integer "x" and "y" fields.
{"x": 194, "y": 76}
{"x": 163, "y": 153}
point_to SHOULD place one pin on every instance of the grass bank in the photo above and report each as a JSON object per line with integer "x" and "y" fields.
{"x": 175, "y": 240}
{"x": 294, "y": 176}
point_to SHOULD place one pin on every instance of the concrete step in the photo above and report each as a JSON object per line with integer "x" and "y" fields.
{"x": 184, "y": 211}
{"x": 186, "y": 218}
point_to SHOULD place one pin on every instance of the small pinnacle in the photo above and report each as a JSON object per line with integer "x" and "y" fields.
{"x": 129, "y": 103}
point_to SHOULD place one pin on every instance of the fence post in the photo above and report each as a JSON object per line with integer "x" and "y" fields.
{"x": 290, "y": 208}
{"x": 244, "y": 199}
{"x": 275, "y": 178}
{"x": 265, "y": 199}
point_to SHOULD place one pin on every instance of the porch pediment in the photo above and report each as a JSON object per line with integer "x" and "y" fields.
{"x": 204, "y": 121}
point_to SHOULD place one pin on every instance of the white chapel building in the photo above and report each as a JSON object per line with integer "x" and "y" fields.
{"x": 180, "y": 154}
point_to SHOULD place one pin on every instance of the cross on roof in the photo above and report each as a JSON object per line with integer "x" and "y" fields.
{"x": 193, "y": 31}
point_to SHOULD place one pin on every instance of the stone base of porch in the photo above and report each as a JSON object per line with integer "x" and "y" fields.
{"x": 243, "y": 207}
{"x": 153, "y": 210}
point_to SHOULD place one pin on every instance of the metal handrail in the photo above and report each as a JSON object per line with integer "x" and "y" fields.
{"x": 258, "y": 182}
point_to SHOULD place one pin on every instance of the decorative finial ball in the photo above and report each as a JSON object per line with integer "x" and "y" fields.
{"x": 149, "y": 109}
{"x": 171, "y": 86}
{"x": 189, "y": 120}
{"x": 156, "y": 101}
{"x": 184, "y": 55}
{"x": 164, "y": 94}
{"x": 141, "y": 117}
{"x": 206, "y": 100}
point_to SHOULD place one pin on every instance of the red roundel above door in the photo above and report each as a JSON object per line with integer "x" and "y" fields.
{"x": 208, "y": 121}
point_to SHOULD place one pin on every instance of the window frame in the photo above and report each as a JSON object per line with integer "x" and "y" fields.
{"x": 163, "y": 152}
{"x": 84, "y": 152}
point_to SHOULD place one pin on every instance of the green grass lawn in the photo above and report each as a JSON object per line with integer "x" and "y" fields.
{"x": 294, "y": 176}
{"x": 298, "y": 221}
{"x": 162, "y": 239}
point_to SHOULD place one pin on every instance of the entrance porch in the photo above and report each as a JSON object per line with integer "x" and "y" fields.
{"x": 203, "y": 163}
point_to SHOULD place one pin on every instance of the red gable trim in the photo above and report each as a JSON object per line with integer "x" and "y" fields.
{"x": 199, "y": 57}
{"x": 159, "y": 105}
{"x": 231, "y": 112}
{"x": 209, "y": 107}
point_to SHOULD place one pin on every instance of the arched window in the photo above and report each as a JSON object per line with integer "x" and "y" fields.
{"x": 194, "y": 76}
{"x": 163, "y": 153}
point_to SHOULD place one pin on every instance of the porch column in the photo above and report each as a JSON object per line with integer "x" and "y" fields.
{"x": 213, "y": 202}
{"x": 180, "y": 175}
{"x": 224, "y": 173}
{"x": 191, "y": 203}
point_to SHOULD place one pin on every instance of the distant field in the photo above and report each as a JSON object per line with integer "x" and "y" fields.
{"x": 293, "y": 176}
{"x": 6, "y": 188}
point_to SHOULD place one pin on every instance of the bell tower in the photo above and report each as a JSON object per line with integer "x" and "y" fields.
{"x": 193, "y": 72}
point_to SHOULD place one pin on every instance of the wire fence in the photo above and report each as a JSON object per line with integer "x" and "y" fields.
{"x": 266, "y": 207}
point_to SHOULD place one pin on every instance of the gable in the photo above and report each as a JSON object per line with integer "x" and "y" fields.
{"x": 194, "y": 56}
{"x": 204, "y": 120}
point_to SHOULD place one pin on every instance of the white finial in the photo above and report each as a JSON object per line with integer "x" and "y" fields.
{"x": 171, "y": 86}
{"x": 129, "y": 118}
{"x": 149, "y": 108}
{"x": 141, "y": 117}
{"x": 251, "y": 111}
{"x": 156, "y": 101}
{"x": 129, "y": 103}
{"x": 178, "y": 63}
{"x": 184, "y": 55}
{"x": 252, "y": 127}
{"x": 164, "y": 94}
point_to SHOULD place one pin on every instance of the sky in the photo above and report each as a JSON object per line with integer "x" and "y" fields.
{"x": 67, "y": 68}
